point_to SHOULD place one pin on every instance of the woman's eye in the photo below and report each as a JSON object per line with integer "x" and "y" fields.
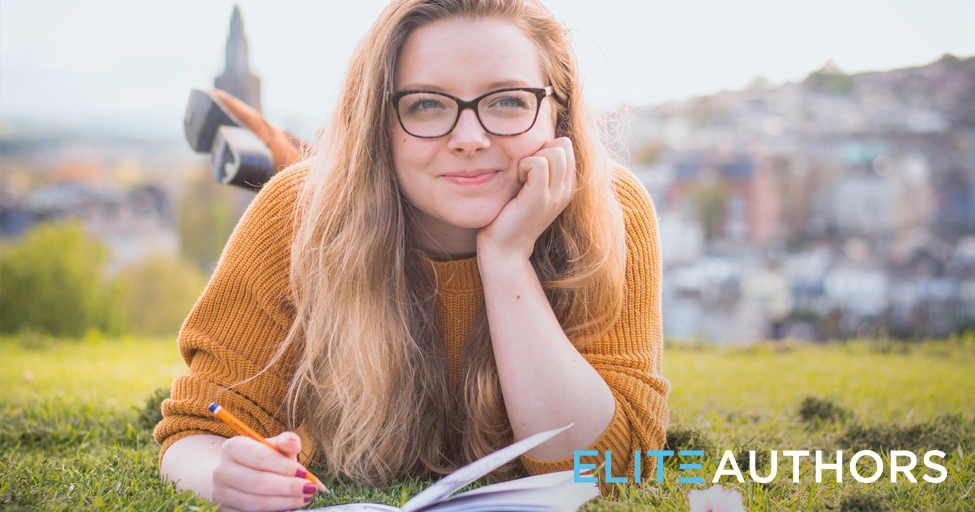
{"x": 425, "y": 105}
{"x": 508, "y": 102}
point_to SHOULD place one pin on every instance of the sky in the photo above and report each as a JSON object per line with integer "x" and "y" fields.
{"x": 113, "y": 60}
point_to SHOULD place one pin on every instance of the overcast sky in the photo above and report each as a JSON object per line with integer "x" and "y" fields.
{"x": 70, "y": 60}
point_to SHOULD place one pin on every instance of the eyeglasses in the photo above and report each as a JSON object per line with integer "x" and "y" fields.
{"x": 504, "y": 112}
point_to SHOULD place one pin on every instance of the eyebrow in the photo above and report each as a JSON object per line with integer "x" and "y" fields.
{"x": 503, "y": 84}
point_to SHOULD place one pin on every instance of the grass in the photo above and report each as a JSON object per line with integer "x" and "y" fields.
{"x": 75, "y": 425}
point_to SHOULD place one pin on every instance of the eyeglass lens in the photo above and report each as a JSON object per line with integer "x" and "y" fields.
{"x": 426, "y": 114}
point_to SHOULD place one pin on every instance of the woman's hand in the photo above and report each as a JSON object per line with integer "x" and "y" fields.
{"x": 250, "y": 476}
{"x": 549, "y": 180}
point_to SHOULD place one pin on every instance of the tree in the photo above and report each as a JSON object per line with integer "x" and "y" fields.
{"x": 207, "y": 216}
{"x": 53, "y": 281}
{"x": 710, "y": 199}
{"x": 159, "y": 293}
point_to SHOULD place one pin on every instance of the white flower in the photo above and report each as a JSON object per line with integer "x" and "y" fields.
{"x": 715, "y": 499}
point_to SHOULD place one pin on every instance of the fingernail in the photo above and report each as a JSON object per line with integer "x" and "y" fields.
{"x": 309, "y": 489}
{"x": 308, "y": 498}
{"x": 301, "y": 473}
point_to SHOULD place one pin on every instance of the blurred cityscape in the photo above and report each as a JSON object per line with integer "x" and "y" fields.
{"x": 838, "y": 206}
{"x": 842, "y": 205}
{"x": 142, "y": 195}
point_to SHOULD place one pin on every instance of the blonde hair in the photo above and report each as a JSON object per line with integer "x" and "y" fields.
{"x": 371, "y": 382}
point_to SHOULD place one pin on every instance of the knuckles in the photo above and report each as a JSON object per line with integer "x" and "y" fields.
{"x": 260, "y": 489}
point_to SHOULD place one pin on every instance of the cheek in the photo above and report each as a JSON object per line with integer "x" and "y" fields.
{"x": 411, "y": 161}
{"x": 540, "y": 134}
{"x": 552, "y": 118}
{"x": 399, "y": 147}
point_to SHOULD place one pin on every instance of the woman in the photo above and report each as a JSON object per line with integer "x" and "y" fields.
{"x": 457, "y": 268}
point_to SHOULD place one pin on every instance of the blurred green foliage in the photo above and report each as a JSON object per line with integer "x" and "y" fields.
{"x": 829, "y": 82}
{"x": 159, "y": 293}
{"x": 53, "y": 281}
{"x": 710, "y": 199}
{"x": 207, "y": 216}
{"x": 647, "y": 154}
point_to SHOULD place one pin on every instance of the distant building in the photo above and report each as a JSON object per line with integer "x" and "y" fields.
{"x": 237, "y": 78}
{"x": 844, "y": 203}
{"x": 134, "y": 223}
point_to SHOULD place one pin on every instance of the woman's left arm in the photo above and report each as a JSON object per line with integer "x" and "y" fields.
{"x": 545, "y": 381}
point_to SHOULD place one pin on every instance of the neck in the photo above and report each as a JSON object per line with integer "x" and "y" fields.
{"x": 442, "y": 241}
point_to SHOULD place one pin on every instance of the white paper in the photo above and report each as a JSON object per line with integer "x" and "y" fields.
{"x": 467, "y": 474}
{"x": 545, "y": 480}
{"x": 355, "y": 507}
{"x": 550, "y": 492}
{"x": 567, "y": 499}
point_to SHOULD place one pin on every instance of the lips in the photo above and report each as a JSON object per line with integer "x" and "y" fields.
{"x": 472, "y": 177}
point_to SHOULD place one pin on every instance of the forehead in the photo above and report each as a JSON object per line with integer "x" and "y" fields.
{"x": 467, "y": 57}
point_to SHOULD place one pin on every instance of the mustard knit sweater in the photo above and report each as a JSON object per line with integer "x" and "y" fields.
{"x": 236, "y": 324}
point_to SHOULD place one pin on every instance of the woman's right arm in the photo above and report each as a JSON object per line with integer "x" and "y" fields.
{"x": 228, "y": 342}
{"x": 240, "y": 473}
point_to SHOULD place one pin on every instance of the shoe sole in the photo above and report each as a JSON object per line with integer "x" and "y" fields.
{"x": 240, "y": 158}
{"x": 204, "y": 116}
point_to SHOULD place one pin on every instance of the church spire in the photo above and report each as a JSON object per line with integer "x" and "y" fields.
{"x": 237, "y": 78}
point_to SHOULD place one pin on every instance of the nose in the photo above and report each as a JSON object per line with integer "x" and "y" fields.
{"x": 468, "y": 136}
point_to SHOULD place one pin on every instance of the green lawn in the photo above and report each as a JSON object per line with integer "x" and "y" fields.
{"x": 73, "y": 432}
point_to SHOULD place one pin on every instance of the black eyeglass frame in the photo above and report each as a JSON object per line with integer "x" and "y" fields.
{"x": 540, "y": 94}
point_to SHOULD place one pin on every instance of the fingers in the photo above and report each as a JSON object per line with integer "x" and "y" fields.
{"x": 554, "y": 168}
{"x": 555, "y": 162}
{"x": 252, "y": 454}
{"x": 533, "y": 168}
{"x": 252, "y": 476}
{"x": 239, "y": 500}
{"x": 288, "y": 443}
{"x": 263, "y": 483}
{"x": 567, "y": 156}
{"x": 548, "y": 183}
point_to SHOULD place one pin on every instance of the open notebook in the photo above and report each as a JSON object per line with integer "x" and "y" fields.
{"x": 551, "y": 492}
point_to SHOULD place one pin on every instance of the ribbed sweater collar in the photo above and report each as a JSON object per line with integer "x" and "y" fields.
{"x": 456, "y": 274}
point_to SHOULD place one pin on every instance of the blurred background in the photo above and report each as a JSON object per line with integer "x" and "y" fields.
{"x": 812, "y": 163}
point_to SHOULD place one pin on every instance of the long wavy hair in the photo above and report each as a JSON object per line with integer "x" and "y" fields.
{"x": 371, "y": 382}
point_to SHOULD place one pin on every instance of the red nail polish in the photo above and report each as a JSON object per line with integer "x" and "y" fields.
{"x": 309, "y": 489}
{"x": 308, "y": 498}
{"x": 301, "y": 473}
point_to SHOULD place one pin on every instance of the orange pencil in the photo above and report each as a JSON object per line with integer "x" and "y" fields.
{"x": 244, "y": 430}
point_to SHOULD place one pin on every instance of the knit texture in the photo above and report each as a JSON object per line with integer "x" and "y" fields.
{"x": 243, "y": 314}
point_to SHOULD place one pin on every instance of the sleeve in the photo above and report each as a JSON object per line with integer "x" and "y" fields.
{"x": 630, "y": 356}
{"x": 236, "y": 326}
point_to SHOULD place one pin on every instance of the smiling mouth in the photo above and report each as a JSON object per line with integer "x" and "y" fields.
{"x": 471, "y": 178}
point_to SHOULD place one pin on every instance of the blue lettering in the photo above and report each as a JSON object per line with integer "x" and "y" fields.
{"x": 660, "y": 454}
{"x": 609, "y": 471}
{"x": 636, "y": 466}
{"x": 691, "y": 453}
{"x": 577, "y": 467}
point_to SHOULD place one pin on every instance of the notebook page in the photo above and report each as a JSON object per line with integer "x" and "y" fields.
{"x": 530, "y": 482}
{"x": 354, "y": 507}
{"x": 467, "y": 474}
{"x": 566, "y": 498}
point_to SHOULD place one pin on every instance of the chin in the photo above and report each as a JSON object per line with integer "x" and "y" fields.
{"x": 475, "y": 219}
{"x": 477, "y": 222}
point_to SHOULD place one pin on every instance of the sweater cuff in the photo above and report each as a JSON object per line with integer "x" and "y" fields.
{"x": 616, "y": 439}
